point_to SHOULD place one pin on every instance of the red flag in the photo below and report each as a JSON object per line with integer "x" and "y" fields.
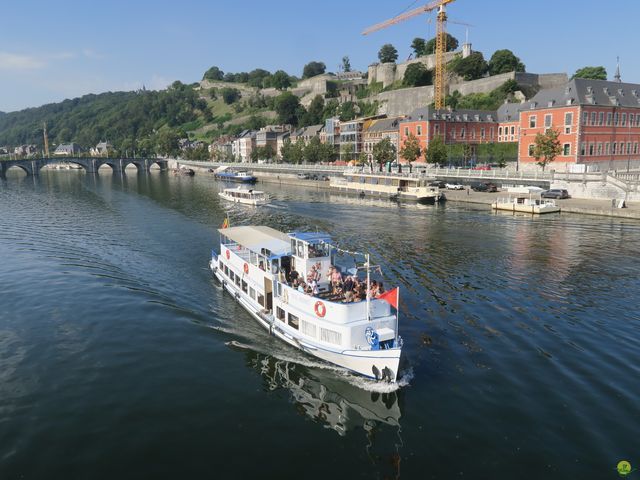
{"x": 391, "y": 297}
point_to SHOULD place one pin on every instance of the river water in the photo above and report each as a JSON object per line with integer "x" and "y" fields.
{"x": 120, "y": 356}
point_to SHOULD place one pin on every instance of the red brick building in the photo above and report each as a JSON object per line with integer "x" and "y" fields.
{"x": 471, "y": 127}
{"x": 598, "y": 122}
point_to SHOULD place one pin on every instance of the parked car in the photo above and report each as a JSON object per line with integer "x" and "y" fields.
{"x": 482, "y": 167}
{"x": 302, "y": 176}
{"x": 438, "y": 183}
{"x": 484, "y": 187}
{"x": 454, "y": 186}
{"x": 558, "y": 193}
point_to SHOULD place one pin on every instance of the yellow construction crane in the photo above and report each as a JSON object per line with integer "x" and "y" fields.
{"x": 441, "y": 42}
{"x": 46, "y": 140}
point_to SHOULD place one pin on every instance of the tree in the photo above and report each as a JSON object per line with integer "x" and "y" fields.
{"x": 504, "y": 61}
{"x": 256, "y": 77}
{"x": 262, "y": 153}
{"x": 593, "y": 73}
{"x": 292, "y": 152}
{"x": 383, "y": 152}
{"x": 471, "y": 68}
{"x": 280, "y": 80}
{"x": 411, "y": 149}
{"x": 347, "y": 150}
{"x": 436, "y": 151}
{"x": 312, "y": 69}
{"x": 347, "y": 111}
{"x": 451, "y": 45}
{"x": 388, "y": 54}
{"x": 288, "y": 107}
{"x": 546, "y": 147}
{"x": 346, "y": 64}
{"x": 419, "y": 46}
{"x": 417, "y": 75}
{"x": 314, "y": 113}
{"x": 230, "y": 95}
{"x": 167, "y": 142}
{"x": 214, "y": 73}
{"x": 314, "y": 151}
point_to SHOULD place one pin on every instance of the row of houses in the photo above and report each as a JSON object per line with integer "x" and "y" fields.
{"x": 598, "y": 123}
{"x": 102, "y": 149}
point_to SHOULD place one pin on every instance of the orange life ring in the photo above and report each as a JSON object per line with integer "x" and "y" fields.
{"x": 320, "y": 309}
{"x": 246, "y": 268}
{"x": 228, "y": 255}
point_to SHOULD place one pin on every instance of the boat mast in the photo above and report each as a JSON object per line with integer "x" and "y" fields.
{"x": 368, "y": 289}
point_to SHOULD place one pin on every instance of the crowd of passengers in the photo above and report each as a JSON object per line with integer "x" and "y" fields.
{"x": 343, "y": 288}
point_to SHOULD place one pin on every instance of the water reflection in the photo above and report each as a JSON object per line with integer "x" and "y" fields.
{"x": 325, "y": 398}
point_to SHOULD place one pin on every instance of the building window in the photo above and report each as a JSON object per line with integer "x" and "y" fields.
{"x": 593, "y": 119}
{"x": 631, "y": 119}
{"x": 583, "y": 149}
{"x": 462, "y": 132}
{"x": 616, "y": 119}
{"x": 436, "y": 129}
{"x": 532, "y": 121}
{"x": 473, "y": 134}
{"x": 635, "y": 148}
{"x": 531, "y": 147}
{"x": 607, "y": 148}
{"x": 609, "y": 116}
{"x": 591, "y": 149}
{"x": 482, "y": 133}
{"x": 419, "y": 130}
{"x": 406, "y": 131}
{"x": 566, "y": 149}
{"x": 624, "y": 119}
{"x": 629, "y": 148}
{"x": 613, "y": 148}
{"x": 547, "y": 120}
{"x": 568, "y": 118}
{"x": 600, "y": 119}
{"x": 491, "y": 133}
{"x": 585, "y": 118}
{"x": 453, "y": 133}
{"x": 599, "y": 148}
{"x": 513, "y": 130}
{"x": 638, "y": 120}
{"x": 500, "y": 131}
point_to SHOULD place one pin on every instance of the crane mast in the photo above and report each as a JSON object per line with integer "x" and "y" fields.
{"x": 441, "y": 42}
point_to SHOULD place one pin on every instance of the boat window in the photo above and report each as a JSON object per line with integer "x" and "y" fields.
{"x": 388, "y": 181}
{"x": 252, "y": 293}
{"x": 294, "y": 321}
{"x": 261, "y": 299}
{"x": 221, "y": 265}
{"x": 244, "y": 286}
{"x": 238, "y": 280}
{"x": 226, "y": 270}
{"x": 363, "y": 180}
{"x": 253, "y": 258}
{"x": 280, "y": 313}
{"x": 319, "y": 250}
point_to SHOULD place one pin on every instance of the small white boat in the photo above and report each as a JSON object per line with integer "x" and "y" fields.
{"x": 257, "y": 264}
{"x": 245, "y": 196}
{"x": 525, "y": 205}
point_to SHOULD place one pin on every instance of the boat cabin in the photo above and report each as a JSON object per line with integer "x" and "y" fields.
{"x": 311, "y": 250}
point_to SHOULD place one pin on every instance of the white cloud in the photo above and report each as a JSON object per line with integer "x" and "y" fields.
{"x": 13, "y": 61}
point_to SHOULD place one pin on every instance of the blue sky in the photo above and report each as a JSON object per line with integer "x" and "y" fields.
{"x": 52, "y": 50}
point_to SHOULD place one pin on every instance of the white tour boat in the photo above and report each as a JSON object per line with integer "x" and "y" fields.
{"x": 525, "y": 205}
{"x": 255, "y": 265}
{"x": 246, "y": 196}
{"x": 396, "y": 186}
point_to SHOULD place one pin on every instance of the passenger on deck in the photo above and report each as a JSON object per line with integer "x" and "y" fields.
{"x": 373, "y": 289}
{"x": 380, "y": 289}
{"x": 293, "y": 276}
{"x": 301, "y": 286}
{"x": 336, "y": 281}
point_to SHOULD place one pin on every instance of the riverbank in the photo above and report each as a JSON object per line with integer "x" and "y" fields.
{"x": 569, "y": 205}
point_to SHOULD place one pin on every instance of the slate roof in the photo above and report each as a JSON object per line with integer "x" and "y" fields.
{"x": 582, "y": 91}
{"x": 428, "y": 113}
{"x": 510, "y": 112}
{"x": 385, "y": 125}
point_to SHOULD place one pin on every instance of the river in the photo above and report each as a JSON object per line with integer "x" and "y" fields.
{"x": 120, "y": 356}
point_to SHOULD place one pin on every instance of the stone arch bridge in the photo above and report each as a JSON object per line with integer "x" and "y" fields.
{"x": 32, "y": 166}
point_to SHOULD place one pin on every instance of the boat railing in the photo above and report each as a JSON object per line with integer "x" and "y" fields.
{"x": 333, "y": 312}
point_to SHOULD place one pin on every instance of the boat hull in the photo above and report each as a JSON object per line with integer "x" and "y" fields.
{"x": 375, "y": 364}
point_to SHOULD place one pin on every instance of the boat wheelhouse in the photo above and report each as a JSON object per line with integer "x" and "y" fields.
{"x": 402, "y": 187}
{"x": 244, "y": 196}
{"x": 258, "y": 264}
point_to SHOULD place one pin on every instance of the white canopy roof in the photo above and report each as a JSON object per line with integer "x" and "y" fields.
{"x": 257, "y": 238}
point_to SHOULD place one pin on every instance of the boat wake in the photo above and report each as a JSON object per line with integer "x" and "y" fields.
{"x": 360, "y": 382}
